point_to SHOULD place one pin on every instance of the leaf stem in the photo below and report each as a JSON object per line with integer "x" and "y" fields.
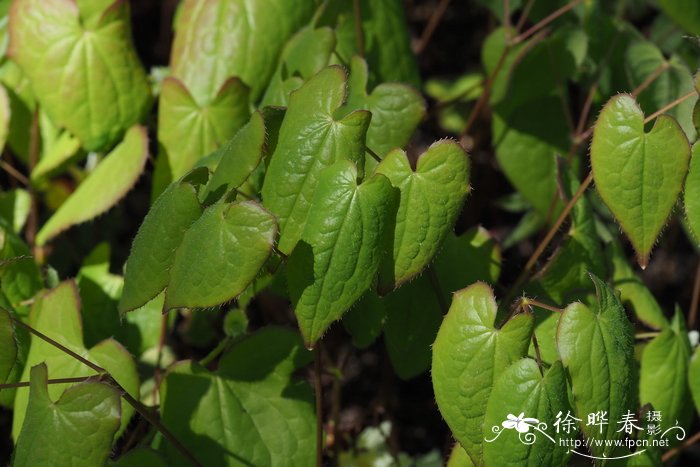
{"x": 359, "y": 32}
{"x": 545, "y": 21}
{"x": 138, "y": 406}
{"x": 432, "y": 25}
{"x": 538, "y": 355}
{"x": 650, "y": 79}
{"x": 526, "y": 302}
{"x": 646, "y": 335}
{"x": 689, "y": 442}
{"x": 374, "y": 155}
{"x": 671, "y": 105}
{"x": 33, "y": 219}
{"x": 695, "y": 301}
{"x": 221, "y": 346}
{"x": 16, "y": 174}
{"x": 319, "y": 406}
{"x": 524, "y": 15}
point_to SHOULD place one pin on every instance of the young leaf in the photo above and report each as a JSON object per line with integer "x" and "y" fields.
{"x": 691, "y": 195}
{"x": 251, "y": 411}
{"x": 413, "y": 319}
{"x": 396, "y": 109}
{"x": 239, "y": 158}
{"x": 187, "y": 129}
{"x": 8, "y": 346}
{"x": 338, "y": 257}
{"x": 469, "y": 354}
{"x": 663, "y": 378}
{"x": 639, "y": 175}
{"x": 523, "y": 389}
{"x": 86, "y": 76}
{"x": 596, "y": 347}
{"x": 104, "y": 187}
{"x": 152, "y": 253}
{"x": 75, "y": 431}
{"x": 238, "y": 238}
{"x": 217, "y": 40}
{"x": 310, "y": 140}
{"x": 431, "y": 199}
{"x": 57, "y": 315}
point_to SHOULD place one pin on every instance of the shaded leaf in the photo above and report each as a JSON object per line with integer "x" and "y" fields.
{"x": 639, "y": 175}
{"x": 103, "y": 187}
{"x": 365, "y": 320}
{"x": 338, "y": 257}
{"x": 691, "y": 194}
{"x": 684, "y": 12}
{"x": 469, "y": 354}
{"x": 8, "y": 346}
{"x": 250, "y": 411}
{"x": 75, "y": 431}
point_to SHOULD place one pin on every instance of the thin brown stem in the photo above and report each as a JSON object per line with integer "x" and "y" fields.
{"x": 33, "y": 218}
{"x": 650, "y": 79}
{"x": 646, "y": 335}
{"x": 374, "y": 155}
{"x": 24, "y": 384}
{"x": 14, "y": 173}
{"x": 671, "y": 105}
{"x": 531, "y": 301}
{"x": 695, "y": 301}
{"x": 673, "y": 452}
{"x": 506, "y": 14}
{"x": 524, "y": 15}
{"x": 319, "y": 406}
{"x": 359, "y": 32}
{"x": 58, "y": 345}
{"x": 545, "y": 21}
{"x": 538, "y": 356}
{"x": 432, "y": 25}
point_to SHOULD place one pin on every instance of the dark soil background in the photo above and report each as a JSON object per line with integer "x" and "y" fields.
{"x": 369, "y": 392}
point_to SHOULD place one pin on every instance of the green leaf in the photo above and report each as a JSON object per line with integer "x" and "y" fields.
{"x": 469, "y": 354}
{"x": 365, "y": 321}
{"x": 251, "y": 411}
{"x": 188, "y": 129}
{"x": 19, "y": 274}
{"x": 104, "y": 187}
{"x": 310, "y": 140}
{"x": 596, "y": 347}
{"x": 56, "y": 155}
{"x": 663, "y": 376}
{"x": 633, "y": 291}
{"x": 459, "y": 457}
{"x": 694, "y": 378}
{"x": 139, "y": 457}
{"x": 684, "y": 12}
{"x": 691, "y": 194}
{"x": 306, "y": 53}
{"x": 5, "y": 116}
{"x": 639, "y": 175}
{"x": 522, "y": 389}
{"x": 152, "y": 253}
{"x": 14, "y": 208}
{"x": 238, "y": 238}
{"x": 76, "y": 430}
{"x": 57, "y": 315}
{"x": 431, "y": 199}
{"x": 338, "y": 256}
{"x": 397, "y": 109}
{"x": 8, "y": 346}
{"x": 467, "y": 258}
{"x": 22, "y": 106}
{"x": 86, "y": 76}
{"x": 217, "y": 40}
{"x": 387, "y": 45}
{"x": 239, "y": 158}
{"x": 412, "y": 322}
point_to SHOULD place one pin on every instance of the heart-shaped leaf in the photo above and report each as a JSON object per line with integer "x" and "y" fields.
{"x": 666, "y": 359}
{"x": 523, "y": 389}
{"x": 57, "y": 315}
{"x": 153, "y": 250}
{"x": 77, "y": 430}
{"x": 238, "y": 238}
{"x": 431, "y": 199}
{"x": 469, "y": 354}
{"x": 188, "y": 129}
{"x": 596, "y": 347}
{"x": 691, "y": 195}
{"x": 310, "y": 140}
{"x": 85, "y": 73}
{"x": 639, "y": 175}
{"x": 252, "y": 407}
{"x": 104, "y": 187}
{"x": 338, "y": 257}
